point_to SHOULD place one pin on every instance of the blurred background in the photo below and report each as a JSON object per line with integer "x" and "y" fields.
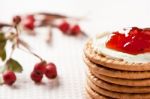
{"x": 101, "y": 15}
{"x": 66, "y": 52}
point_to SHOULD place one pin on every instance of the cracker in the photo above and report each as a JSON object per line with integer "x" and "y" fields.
{"x": 95, "y": 95}
{"x": 113, "y": 63}
{"x": 88, "y": 96}
{"x": 117, "y": 94}
{"x": 117, "y": 88}
{"x": 99, "y": 69}
{"x": 126, "y": 82}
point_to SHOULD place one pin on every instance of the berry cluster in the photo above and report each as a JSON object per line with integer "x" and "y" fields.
{"x": 42, "y": 68}
{"x": 11, "y": 66}
{"x": 67, "y": 29}
{"x": 30, "y": 22}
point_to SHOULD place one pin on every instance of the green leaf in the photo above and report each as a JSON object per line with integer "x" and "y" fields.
{"x": 2, "y": 41}
{"x": 2, "y": 46}
{"x": 3, "y": 54}
{"x": 2, "y": 36}
{"x": 13, "y": 65}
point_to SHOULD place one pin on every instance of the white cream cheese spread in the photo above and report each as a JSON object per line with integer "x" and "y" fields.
{"x": 99, "y": 45}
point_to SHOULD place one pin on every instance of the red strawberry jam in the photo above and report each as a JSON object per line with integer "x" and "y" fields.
{"x": 137, "y": 41}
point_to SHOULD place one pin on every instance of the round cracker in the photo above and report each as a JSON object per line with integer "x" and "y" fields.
{"x": 117, "y": 94}
{"x": 126, "y": 82}
{"x": 113, "y": 63}
{"x": 95, "y": 95}
{"x": 88, "y": 96}
{"x": 99, "y": 69}
{"x": 117, "y": 88}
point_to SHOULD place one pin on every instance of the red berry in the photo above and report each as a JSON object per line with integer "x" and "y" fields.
{"x": 36, "y": 77}
{"x": 29, "y": 25}
{"x": 64, "y": 27}
{"x": 75, "y": 30}
{"x": 29, "y": 22}
{"x": 51, "y": 71}
{"x": 16, "y": 19}
{"x": 31, "y": 17}
{"x": 9, "y": 77}
{"x": 40, "y": 67}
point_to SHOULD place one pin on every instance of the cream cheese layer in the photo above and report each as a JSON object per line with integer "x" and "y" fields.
{"x": 99, "y": 45}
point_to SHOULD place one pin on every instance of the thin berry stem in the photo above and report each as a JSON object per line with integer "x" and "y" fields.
{"x": 17, "y": 33}
{"x": 11, "y": 53}
{"x": 12, "y": 50}
{"x": 35, "y": 55}
{"x": 29, "y": 51}
{"x": 5, "y": 25}
{"x": 84, "y": 34}
{"x": 49, "y": 35}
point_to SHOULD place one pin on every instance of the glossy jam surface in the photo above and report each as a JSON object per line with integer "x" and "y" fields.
{"x": 136, "y": 41}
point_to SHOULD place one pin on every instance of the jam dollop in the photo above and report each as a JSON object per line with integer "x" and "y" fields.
{"x": 136, "y": 41}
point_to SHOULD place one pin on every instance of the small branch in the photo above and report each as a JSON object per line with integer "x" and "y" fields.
{"x": 50, "y": 15}
{"x": 12, "y": 50}
{"x": 23, "y": 43}
{"x": 83, "y": 33}
{"x": 5, "y": 25}
{"x": 11, "y": 53}
{"x": 17, "y": 32}
{"x": 29, "y": 51}
{"x": 46, "y": 23}
{"x": 49, "y": 35}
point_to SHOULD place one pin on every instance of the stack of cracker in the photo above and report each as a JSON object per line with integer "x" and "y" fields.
{"x": 114, "y": 78}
